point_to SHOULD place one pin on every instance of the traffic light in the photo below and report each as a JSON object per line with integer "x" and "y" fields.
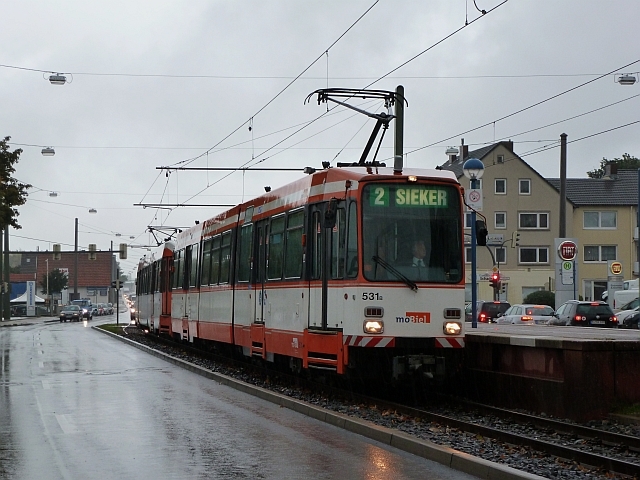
{"x": 515, "y": 239}
{"x": 481, "y": 233}
{"x": 123, "y": 251}
{"x": 56, "y": 251}
{"x": 92, "y": 251}
{"x": 495, "y": 280}
{"x": 116, "y": 284}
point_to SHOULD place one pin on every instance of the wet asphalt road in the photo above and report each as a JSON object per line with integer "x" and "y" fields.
{"x": 76, "y": 404}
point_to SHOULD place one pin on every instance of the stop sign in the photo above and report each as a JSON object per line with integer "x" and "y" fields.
{"x": 567, "y": 250}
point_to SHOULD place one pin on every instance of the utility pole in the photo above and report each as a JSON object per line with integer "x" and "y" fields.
{"x": 75, "y": 273}
{"x": 6, "y": 307}
{"x": 398, "y": 143}
{"x": 562, "y": 232}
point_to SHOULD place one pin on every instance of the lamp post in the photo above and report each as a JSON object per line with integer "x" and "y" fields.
{"x": 473, "y": 170}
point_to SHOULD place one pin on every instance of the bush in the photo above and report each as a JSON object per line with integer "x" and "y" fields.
{"x": 541, "y": 297}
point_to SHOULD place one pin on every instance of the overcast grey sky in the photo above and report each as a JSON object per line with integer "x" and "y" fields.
{"x": 157, "y": 83}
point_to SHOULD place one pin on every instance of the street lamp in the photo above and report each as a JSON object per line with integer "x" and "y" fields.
{"x": 473, "y": 170}
{"x": 626, "y": 79}
{"x": 57, "y": 79}
{"x": 48, "y": 152}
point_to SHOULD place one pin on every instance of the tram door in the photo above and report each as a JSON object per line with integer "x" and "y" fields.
{"x": 323, "y": 231}
{"x": 262, "y": 244}
{"x": 165, "y": 284}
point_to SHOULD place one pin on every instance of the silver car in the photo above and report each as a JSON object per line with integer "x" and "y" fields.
{"x": 526, "y": 314}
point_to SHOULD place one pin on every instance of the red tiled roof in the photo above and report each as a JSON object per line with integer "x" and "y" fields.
{"x": 91, "y": 273}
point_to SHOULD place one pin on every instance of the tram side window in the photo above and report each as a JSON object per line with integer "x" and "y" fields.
{"x": 206, "y": 262}
{"x": 244, "y": 255}
{"x": 276, "y": 248}
{"x": 178, "y": 269}
{"x": 316, "y": 237}
{"x": 215, "y": 261}
{"x": 193, "y": 265}
{"x": 293, "y": 246}
{"x": 225, "y": 258}
{"x": 352, "y": 242}
{"x": 338, "y": 234}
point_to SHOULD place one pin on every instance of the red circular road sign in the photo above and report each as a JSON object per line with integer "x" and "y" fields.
{"x": 567, "y": 250}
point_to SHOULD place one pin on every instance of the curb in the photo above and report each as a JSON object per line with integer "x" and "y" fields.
{"x": 447, "y": 456}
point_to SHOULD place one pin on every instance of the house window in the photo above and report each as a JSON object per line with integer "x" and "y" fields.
{"x": 467, "y": 219}
{"x": 603, "y": 220}
{"x": 500, "y": 159}
{"x": 500, "y": 254}
{"x": 467, "y": 254}
{"x": 593, "y": 289}
{"x": 501, "y": 186}
{"x": 525, "y": 186}
{"x": 501, "y": 220}
{"x": 599, "y": 253}
{"x": 532, "y": 255}
{"x": 532, "y": 220}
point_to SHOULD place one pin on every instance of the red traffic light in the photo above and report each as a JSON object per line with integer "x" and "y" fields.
{"x": 495, "y": 280}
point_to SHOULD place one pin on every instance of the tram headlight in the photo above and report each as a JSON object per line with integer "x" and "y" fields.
{"x": 452, "y": 328}
{"x": 373, "y": 326}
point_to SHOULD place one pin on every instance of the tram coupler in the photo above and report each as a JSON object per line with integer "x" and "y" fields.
{"x": 429, "y": 366}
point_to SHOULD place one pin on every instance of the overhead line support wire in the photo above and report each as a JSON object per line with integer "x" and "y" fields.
{"x": 525, "y": 108}
{"x": 291, "y": 82}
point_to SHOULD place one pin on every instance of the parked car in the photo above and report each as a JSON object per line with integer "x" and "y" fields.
{"x": 72, "y": 313}
{"x": 526, "y": 314}
{"x": 630, "y": 321}
{"x": 487, "y": 311}
{"x": 587, "y": 314}
{"x": 18, "y": 310}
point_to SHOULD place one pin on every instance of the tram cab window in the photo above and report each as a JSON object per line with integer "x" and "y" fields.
{"x": 399, "y": 218}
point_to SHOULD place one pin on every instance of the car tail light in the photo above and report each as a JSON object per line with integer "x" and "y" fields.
{"x": 483, "y": 317}
{"x": 526, "y": 318}
{"x": 594, "y": 304}
{"x": 579, "y": 318}
{"x": 614, "y": 319}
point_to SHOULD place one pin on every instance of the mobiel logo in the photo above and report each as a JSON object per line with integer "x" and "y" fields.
{"x": 415, "y": 317}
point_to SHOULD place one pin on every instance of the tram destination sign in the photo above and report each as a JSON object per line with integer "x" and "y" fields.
{"x": 414, "y": 196}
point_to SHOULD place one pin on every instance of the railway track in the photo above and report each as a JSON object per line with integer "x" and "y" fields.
{"x": 567, "y": 442}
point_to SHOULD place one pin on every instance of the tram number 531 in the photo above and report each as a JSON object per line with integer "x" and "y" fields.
{"x": 371, "y": 296}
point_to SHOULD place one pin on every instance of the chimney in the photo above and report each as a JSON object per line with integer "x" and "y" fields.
{"x": 509, "y": 145}
{"x": 610, "y": 171}
{"x": 465, "y": 152}
{"x": 452, "y": 153}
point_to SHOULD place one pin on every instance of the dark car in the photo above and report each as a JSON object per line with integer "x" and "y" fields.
{"x": 72, "y": 313}
{"x": 487, "y": 311}
{"x": 585, "y": 314}
{"x": 88, "y": 309}
{"x": 630, "y": 321}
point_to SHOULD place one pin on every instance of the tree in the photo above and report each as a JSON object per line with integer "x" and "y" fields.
{"x": 541, "y": 297}
{"x": 12, "y": 193}
{"x": 57, "y": 281}
{"x": 627, "y": 162}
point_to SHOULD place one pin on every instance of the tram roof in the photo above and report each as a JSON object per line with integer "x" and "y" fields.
{"x": 321, "y": 185}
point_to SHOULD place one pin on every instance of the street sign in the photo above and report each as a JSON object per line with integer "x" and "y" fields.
{"x": 567, "y": 273}
{"x": 495, "y": 239}
{"x": 567, "y": 250}
{"x": 474, "y": 198}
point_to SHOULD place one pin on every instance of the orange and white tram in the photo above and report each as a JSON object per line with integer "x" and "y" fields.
{"x": 321, "y": 273}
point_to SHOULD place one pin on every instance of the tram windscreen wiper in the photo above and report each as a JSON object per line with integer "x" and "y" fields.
{"x": 387, "y": 266}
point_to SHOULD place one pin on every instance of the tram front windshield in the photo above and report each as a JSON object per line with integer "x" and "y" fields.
{"x": 412, "y": 233}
